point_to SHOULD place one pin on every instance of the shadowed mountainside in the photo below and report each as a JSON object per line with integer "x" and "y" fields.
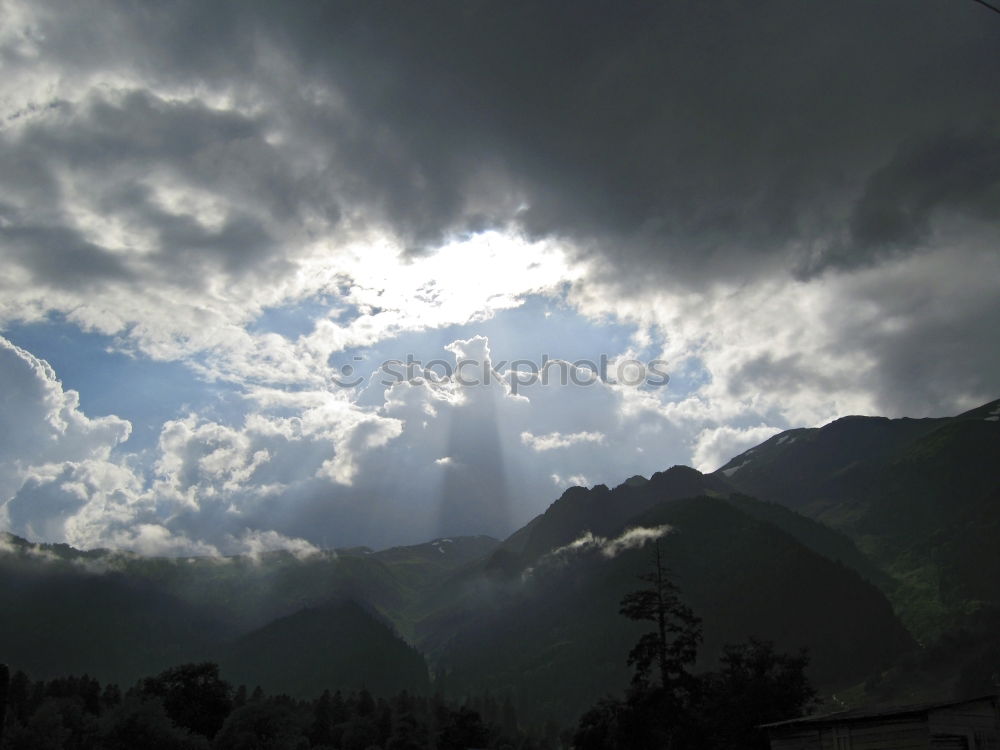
{"x": 796, "y": 541}
{"x": 551, "y": 633}
{"x": 920, "y": 497}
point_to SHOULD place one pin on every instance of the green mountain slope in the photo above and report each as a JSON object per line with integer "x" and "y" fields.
{"x": 59, "y": 615}
{"x": 919, "y": 497}
{"x": 553, "y": 637}
{"x": 818, "y": 537}
{"x": 119, "y": 616}
{"x": 340, "y": 645}
{"x": 599, "y": 510}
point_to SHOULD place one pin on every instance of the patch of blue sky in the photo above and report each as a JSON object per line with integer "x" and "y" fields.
{"x": 129, "y": 385}
{"x": 294, "y": 320}
{"x": 686, "y": 377}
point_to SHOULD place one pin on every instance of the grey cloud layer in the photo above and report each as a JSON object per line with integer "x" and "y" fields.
{"x": 801, "y": 198}
{"x": 696, "y": 138}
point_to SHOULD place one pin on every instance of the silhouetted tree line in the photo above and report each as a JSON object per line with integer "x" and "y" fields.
{"x": 669, "y": 708}
{"x": 190, "y": 707}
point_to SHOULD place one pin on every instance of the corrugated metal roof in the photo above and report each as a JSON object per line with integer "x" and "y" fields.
{"x": 876, "y": 712}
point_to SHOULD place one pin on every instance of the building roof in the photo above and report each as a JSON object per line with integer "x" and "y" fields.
{"x": 875, "y": 712}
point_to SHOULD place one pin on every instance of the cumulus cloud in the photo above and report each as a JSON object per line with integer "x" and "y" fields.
{"x": 431, "y": 457}
{"x": 61, "y": 481}
{"x": 880, "y": 340}
{"x": 803, "y": 229}
{"x": 255, "y": 543}
{"x": 715, "y": 446}
{"x": 41, "y": 422}
{"x": 153, "y": 539}
{"x": 557, "y": 440}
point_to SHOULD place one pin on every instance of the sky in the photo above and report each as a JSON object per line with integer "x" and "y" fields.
{"x": 221, "y": 223}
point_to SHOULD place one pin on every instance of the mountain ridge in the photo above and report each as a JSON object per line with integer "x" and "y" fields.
{"x": 917, "y": 496}
{"x": 799, "y": 540}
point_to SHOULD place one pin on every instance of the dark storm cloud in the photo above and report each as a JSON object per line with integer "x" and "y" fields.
{"x": 707, "y": 139}
{"x": 951, "y": 172}
{"x": 61, "y": 257}
{"x": 789, "y": 374}
{"x": 684, "y": 143}
{"x": 703, "y": 137}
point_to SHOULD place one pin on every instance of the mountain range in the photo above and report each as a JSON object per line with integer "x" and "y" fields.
{"x": 871, "y": 542}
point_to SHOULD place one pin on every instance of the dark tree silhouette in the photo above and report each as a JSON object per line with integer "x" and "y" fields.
{"x": 110, "y": 697}
{"x": 321, "y": 729}
{"x": 194, "y": 695}
{"x": 754, "y": 685}
{"x": 366, "y": 703}
{"x": 673, "y": 646}
{"x": 601, "y": 726}
{"x": 144, "y": 723}
{"x": 360, "y": 733}
{"x": 658, "y": 709}
{"x": 74, "y": 713}
{"x": 18, "y": 695}
{"x": 460, "y": 730}
{"x": 407, "y": 734}
{"x": 676, "y": 710}
{"x": 260, "y": 726}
